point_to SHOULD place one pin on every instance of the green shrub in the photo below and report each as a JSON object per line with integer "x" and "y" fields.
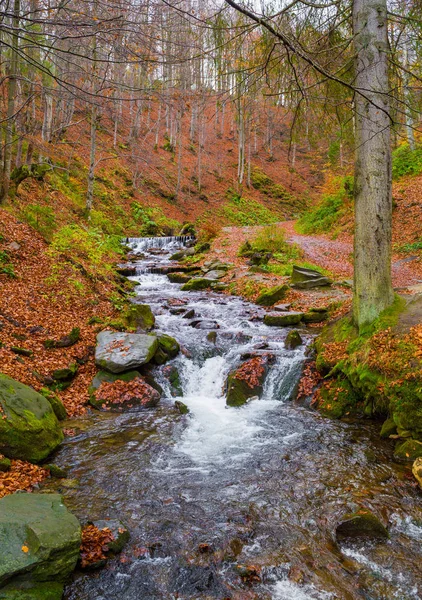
{"x": 243, "y": 211}
{"x": 261, "y": 181}
{"x": 6, "y": 266}
{"x": 271, "y": 239}
{"x": 153, "y": 221}
{"x": 40, "y": 218}
{"x": 407, "y": 161}
{"x": 328, "y": 212}
{"x": 91, "y": 245}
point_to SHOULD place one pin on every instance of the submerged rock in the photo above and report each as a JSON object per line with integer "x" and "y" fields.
{"x": 118, "y": 352}
{"x": 172, "y": 374}
{"x": 40, "y": 542}
{"x": 29, "y": 429}
{"x": 273, "y": 295}
{"x": 181, "y": 407}
{"x": 362, "y": 524}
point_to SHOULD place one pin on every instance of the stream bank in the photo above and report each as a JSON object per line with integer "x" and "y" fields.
{"x": 236, "y": 502}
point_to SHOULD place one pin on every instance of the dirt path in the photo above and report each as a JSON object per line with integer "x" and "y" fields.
{"x": 336, "y": 256}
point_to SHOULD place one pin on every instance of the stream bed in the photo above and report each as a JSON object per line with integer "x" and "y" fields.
{"x": 263, "y": 485}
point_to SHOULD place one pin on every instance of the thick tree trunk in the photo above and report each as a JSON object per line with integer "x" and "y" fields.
{"x": 373, "y": 290}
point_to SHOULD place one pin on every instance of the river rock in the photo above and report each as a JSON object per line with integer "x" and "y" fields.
{"x": 56, "y": 403}
{"x": 315, "y": 315}
{"x": 280, "y": 319}
{"x": 39, "y": 542}
{"x": 273, "y": 295}
{"x": 407, "y": 451}
{"x": 172, "y": 375}
{"x": 125, "y": 393}
{"x": 308, "y": 278}
{"x": 215, "y": 274}
{"x": 417, "y": 470}
{"x": 119, "y": 352}
{"x": 204, "y": 324}
{"x": 126, "y": 270}
{"x": 119, "y": 532}
{"x": 139, "y": 316}
{"x": 247, "y": 381}
{"x": 178, "y": 277}
{"x": 293, "y": 340}
{"x": 388, "y": 428}
{"x": 30, "y": 429}
{"x": 197, "y": 283}
{"x": 181, "y": 407}
{"x": 362, "y": 524}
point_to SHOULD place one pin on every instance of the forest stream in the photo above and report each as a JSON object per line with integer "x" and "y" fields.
{"x": 261, "y": 486}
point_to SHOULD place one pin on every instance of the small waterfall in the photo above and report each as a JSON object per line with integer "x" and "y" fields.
{"x": 145, "y": 243}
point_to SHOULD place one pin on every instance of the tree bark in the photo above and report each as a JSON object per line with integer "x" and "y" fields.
{"x": 11, "y": 93}
{"x": 373, "y": 291}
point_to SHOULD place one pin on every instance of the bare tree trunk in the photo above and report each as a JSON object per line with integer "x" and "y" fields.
{"x": 11, "y": 93}
{"x": 373, "y": 291}
{"x": 91, "y": 172}
{"x": 408, "y": 96}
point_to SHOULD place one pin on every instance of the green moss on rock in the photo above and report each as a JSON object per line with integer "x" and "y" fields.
{"x": 46, "y": 590}
{"x": 408, "y": 450}
{"x": 280, "y": 319}
{"x": 361, "y": 524}
{"x": 56, "y": 403}
{"x": 273, "y": 295}
{"x": 139, "y": 315}
{"x": 198, "y": 283}
{"x": 30, "y": 430}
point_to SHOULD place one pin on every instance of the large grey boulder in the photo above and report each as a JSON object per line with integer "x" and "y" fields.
{"x": 308, "y": 278}
{"x": 119, "y": 352}
{"x": 39, "y": 544}
{"x": 29, "y": 429}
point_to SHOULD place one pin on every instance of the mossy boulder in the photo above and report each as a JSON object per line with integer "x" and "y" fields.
{"x": 337, "y": 399}
{"x": 168, "y": 345}
{"x": 139, "y": 315}
{"x": 247, "y": 381}
{"x": 173, "y": 376}
{"x": 147, "y": 395}
{"x": 417, "y": 470}
{"x": 283, "y": 319}
{"x": 178, "y": 277}
{"x": 197, "y": 283}
{"x": 408, "y": 451}
{"x": 119, "y": 352}
{"x": 27, "y": 590}
{"x": 388, "y": 428}
{"x": 362, "y": 524}
{"x": 5, "y": 463}
{"x": 65, "y": 342}
{"x": 56, "y": 403}
{"x": 66, "y": 373}
{"x": 30, "y": 429}
{"x": 315, "y": 315}
{"x": 273, "y": 295}
{"x": 39, "y": 541}
{"x": 293, "y": 340}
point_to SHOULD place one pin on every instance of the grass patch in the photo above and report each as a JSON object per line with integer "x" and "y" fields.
{"x": 330, "y": 210}
{"x": 242, "y": 211}
{"x": 40, "y": 218}
{"x": 152, "y": 221}
{"x": 407, "y": 161}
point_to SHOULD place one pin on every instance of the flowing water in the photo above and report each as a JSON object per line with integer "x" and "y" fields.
{"x": 261, "y": 485}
